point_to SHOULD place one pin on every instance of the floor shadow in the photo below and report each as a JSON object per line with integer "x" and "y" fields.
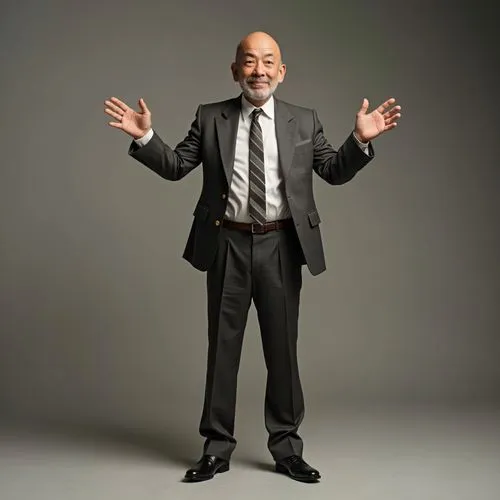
{"x": 255, "y": 464}
{"x": 172, "y": 444}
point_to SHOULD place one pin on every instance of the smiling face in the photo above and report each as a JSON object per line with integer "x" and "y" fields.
{"x": 258, "y": 67}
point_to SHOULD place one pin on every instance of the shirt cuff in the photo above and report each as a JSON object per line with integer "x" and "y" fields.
{"x": 142, "y": 141}
{"x": 362, "y": 145}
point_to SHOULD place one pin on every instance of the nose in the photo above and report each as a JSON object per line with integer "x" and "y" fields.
{"x": 259, "y": 69}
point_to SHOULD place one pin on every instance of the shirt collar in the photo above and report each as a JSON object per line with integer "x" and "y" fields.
{"x": 247, "y": 108}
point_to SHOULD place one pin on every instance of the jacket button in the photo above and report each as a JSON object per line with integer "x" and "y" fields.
{"x": 217, "y": 222}
{"x": 224, "y": 196}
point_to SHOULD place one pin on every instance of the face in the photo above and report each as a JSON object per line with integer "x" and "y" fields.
{"x": 258, "y": 67}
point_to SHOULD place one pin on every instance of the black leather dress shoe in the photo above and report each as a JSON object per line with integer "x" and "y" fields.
{"x": 295, "y": 467}
{"x": 206, "y": 468}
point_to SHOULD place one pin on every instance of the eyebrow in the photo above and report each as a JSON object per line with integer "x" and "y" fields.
{"x": 249, "y": 54}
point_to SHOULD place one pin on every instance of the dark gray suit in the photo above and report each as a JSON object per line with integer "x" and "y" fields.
{"x": 262, "y": 267}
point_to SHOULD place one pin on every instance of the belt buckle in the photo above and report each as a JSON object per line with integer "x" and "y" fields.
{"x": 261, "y": 228}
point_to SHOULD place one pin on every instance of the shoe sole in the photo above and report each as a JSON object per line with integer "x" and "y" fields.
{"x": 283, "y": 470}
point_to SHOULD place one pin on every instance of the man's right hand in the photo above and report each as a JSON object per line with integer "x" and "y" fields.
{"x": 134, "y": 123}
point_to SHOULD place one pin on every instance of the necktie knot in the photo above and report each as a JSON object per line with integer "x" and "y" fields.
{"x": 256, "y": 113}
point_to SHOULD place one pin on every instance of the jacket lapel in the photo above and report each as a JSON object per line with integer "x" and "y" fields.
{"x": 286, "y": 129}
{"x": 227, "y": 129}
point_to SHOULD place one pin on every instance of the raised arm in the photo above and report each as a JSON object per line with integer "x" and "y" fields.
{"x": 338, "y": 167}
{"x": 171, "y": 164}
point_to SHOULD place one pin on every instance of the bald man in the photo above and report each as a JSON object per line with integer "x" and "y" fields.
{"x": 255, "y": 225}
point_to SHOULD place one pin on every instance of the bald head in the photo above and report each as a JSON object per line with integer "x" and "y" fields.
{"x": 258, "y": 67}
{"x": 258, "y": 41}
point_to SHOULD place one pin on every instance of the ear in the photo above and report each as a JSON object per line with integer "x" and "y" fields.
{"x": 234, "y": 71}
{"x": 281, "y": 73}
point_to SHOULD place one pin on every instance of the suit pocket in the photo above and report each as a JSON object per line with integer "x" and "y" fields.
{"x": 201, "y": 212}
{"x": 303, "y": 151}
{"x": 314, "y": 219}
{"x": 301, "y": 143}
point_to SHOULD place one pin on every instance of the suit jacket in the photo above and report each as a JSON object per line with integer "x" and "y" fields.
{"x": 302, "y": 149}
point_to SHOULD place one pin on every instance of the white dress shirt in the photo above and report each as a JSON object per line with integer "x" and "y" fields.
{"x": 237, "y": 202}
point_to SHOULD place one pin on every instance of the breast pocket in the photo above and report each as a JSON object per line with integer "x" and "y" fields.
{"x": 302, "y": 143}
{"x": 303, "y": 151}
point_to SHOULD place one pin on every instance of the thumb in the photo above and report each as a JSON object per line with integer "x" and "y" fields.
{"x": 142, "y": 105}
{"x": 364, "y": 106}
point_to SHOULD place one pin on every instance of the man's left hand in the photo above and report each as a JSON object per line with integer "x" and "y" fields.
{"x": 371, "y": 125}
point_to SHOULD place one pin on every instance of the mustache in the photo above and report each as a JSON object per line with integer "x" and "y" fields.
{"x": 252, "y": 79}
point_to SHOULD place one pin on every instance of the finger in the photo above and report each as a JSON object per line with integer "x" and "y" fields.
{"x": 119, "y": 103}
{"x": 390, "y": 126}
{"x": 112, "y": 113}
{"x": 115, "y": 125}
{"x": 390, "y": 112}
{"x": 143, "y": 106}
{"x": 392, "y": 118}
{"x": 386, "y": 104}
{"x": 114, "y": 107}
{"x": 364, "y": 106}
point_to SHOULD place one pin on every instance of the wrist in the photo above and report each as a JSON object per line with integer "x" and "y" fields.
{"x": 142, "y": 134}
{"x": 359, "y": 138}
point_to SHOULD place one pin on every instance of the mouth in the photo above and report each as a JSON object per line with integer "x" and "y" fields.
{"x": 258, "y": 85}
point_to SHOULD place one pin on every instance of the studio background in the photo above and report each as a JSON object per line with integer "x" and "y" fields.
{"x": 102, "y": 322}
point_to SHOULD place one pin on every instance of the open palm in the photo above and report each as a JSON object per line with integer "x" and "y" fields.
{"x": 371, "y": 125}
{"x": 134, "y": 123}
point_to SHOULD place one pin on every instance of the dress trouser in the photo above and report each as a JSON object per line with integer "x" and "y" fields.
{"x": 266, "y": 268}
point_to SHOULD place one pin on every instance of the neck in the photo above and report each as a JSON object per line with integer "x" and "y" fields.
{"x": 257, "y": 103}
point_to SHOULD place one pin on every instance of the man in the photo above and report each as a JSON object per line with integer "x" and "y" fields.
{"x": 255, "y": 225}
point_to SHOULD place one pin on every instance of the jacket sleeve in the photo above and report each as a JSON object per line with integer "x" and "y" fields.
{"x": 171, "y": 164}
{"x": 337, "y": 167}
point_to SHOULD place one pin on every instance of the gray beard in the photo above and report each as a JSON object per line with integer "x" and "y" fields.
{"x": 257, "y": 94}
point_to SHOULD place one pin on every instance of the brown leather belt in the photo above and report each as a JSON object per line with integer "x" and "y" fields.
{"x": 257, "y": 228}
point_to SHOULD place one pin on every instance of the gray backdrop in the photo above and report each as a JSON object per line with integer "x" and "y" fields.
{"x": 101, "y": 320}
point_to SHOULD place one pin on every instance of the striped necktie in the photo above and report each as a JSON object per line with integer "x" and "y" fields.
{"x": 257, "y": 176}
